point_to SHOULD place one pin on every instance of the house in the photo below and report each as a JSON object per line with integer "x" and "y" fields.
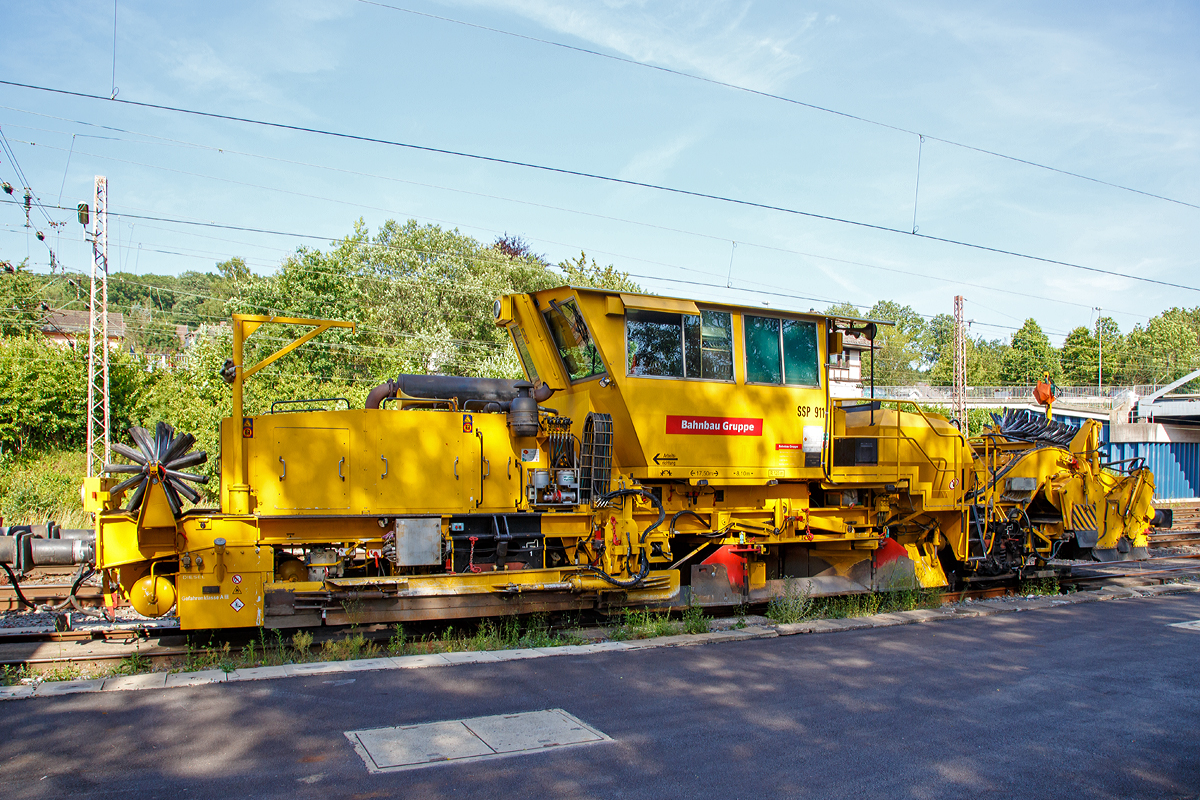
{"x": 67, "y": 326}
{"x": 846, "y": 367}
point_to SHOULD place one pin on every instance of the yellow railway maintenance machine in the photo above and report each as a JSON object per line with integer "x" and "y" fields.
{"x": 660, "y": 452}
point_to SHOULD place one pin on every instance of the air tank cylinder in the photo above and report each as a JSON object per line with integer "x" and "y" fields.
{"x": 523, "y": 412}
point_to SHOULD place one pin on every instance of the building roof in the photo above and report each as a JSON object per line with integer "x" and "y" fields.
{"x": 73, "y": 322}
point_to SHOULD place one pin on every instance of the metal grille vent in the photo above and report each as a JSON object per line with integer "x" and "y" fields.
{"x": 596, "y": 457}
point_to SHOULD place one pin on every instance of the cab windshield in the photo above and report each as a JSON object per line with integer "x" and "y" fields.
{"x": 573, "y": 340}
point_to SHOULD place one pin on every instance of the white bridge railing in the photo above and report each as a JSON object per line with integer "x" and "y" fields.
{"x": 979, "y": 395}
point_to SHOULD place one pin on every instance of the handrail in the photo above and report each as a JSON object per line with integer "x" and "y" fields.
{"x": 451, "y": 404}
{"x": 308, "y": 400}
{"x": 940, "y": 465}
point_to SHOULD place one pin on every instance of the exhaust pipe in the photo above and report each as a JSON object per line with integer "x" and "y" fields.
{"x": 465, "y": 390}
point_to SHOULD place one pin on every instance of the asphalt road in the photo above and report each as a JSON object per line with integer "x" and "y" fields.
{"x": 1093, "y": 700}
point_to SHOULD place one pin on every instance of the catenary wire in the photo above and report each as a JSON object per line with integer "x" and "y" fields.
{"x": 782, "y": 98}
{"x": 599, "y": 177}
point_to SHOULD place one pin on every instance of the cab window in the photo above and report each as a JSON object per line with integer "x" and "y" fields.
{"x": 662, "y": 344}
{"x": 522, "y": 346}
{"x": 781, "y": 351}
{"x": 573, "y": 340}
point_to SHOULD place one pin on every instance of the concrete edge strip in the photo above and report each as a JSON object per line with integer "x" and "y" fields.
{"x": 169, "y": 680}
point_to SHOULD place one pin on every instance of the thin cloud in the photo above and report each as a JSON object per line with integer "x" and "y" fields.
{"x": 716, "y": 39}
{"x": 653, "y": 164}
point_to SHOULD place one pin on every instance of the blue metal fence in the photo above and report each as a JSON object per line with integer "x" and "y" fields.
{"x": 1176, "y": 466}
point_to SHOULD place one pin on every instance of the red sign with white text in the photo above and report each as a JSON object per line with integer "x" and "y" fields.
{"x": 714, "y": 426}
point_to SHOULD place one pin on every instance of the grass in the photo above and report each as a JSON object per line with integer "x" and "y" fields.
{"x": 644, "y": 624}
{"x": 43, "y": 486}
{"x": 694, "y": 620}
{"x": 798, "y": 605}
{"x": 273, "y": 648}
{"x": 1040, "y": 586}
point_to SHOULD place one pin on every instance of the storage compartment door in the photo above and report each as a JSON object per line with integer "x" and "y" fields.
{"x": 313, "y": 470}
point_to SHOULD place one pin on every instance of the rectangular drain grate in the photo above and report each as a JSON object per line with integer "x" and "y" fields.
{"x": 1194, "y": 625}
{"x": 475, "y": 739}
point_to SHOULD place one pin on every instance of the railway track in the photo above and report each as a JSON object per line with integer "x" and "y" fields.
{"x": 98, "y": 649}
{"x": 1173, "y": 537}
{"x": 48, "y": 594}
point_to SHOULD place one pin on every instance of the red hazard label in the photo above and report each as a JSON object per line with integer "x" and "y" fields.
{"x": 714, "y": 426}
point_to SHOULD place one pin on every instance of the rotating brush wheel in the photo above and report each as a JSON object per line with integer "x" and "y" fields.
{"x": 159, "y": 457}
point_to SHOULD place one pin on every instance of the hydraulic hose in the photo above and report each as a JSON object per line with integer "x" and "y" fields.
{"x": 16, "y": 586}
{"x": 644, "y": 560}
{"x": 662, "y": 514}
{"x": 82, "y": 575}
{"x": 72, "y": 600}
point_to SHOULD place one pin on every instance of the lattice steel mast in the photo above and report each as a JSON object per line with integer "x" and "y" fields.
{"x": 960, "y": 363}
{"x": 98, "y": 409}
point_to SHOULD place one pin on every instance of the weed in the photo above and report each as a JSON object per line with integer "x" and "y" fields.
{"x": 224, "y": 659}
{"x": 796, "y": 604}
{"x": 302, "y": 641}
{"x": 10, "y": 675}
{"x": 695, "y": 620}
{"x": 1040, "y": 586}
{"x": 397, "y": 643}
{"x": 67, "y": 672}
{"x": 349, "y": 648}
{"x": 354, "y": 612}
{"x": 133, "y": 664}
{"x": 643, "y": 624}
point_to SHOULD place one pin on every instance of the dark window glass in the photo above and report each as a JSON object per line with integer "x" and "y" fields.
{"x": 716, "y": 345}
{"x": 800, "y": 353}
{"x": 523, "y": 353}
{"x": 781, "y": 352}
{"x": 574, "y": 342}
{"x": 691, "y": 344}
{"x": 654, "y": 343}
{"x": 762, "y": 350}
{"x": 679, "y": 345}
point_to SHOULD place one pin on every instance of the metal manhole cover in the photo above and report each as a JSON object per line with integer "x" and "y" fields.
{"x": 475, "y": 739}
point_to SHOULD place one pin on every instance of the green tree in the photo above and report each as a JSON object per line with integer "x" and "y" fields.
{"x": 843, "y": 309}
{"x": 984, "y": 360}
{"x": 1079, "y": 357}
{"x": 22, "y": 308}
{"x": 1029, "y": 356}
{"x": 421, "y": 295}
{"x": 939, "y": 339}
{"x": 1081, "y": 353}
{"x": 234, "y": 270}
{"x": 900, "y": 348}
{"x": 580, "y": 272}
{"x": 1163, "y": 351}
{"x": 43, "y": 393}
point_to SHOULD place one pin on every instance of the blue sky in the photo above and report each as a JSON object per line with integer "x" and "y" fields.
{"x": 1105, "y": 90}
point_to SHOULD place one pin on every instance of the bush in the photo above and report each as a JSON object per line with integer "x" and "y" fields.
{"x": 35, "y": 488}
{"x": 43, "y": 393}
